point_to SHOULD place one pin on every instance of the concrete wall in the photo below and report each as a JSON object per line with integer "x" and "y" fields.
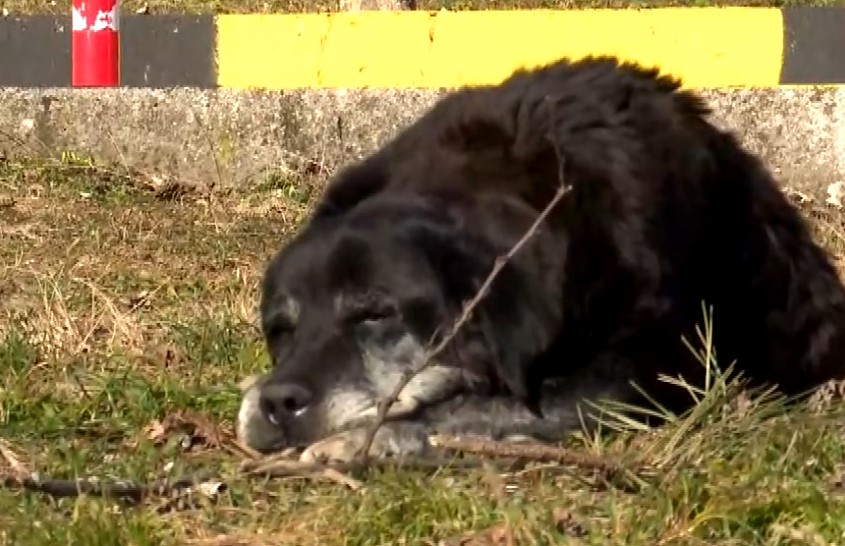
{"x": 236, "y": 138}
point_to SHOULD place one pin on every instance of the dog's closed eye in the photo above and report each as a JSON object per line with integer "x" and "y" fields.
{"x": 366, "y": 307}
{"x": 370, "y": 314}
{"x": 279, "y": 329}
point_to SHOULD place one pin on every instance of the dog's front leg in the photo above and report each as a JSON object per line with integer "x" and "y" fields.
{"x": 393, "y": 439}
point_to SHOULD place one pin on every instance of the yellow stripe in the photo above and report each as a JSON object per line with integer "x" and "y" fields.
{"x": 706, "y": 47}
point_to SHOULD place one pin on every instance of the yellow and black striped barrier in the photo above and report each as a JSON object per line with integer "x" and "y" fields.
{"x": 706, "y": 47}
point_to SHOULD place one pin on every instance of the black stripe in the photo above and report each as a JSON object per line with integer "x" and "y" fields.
{"x": 155, "y": 51}
{"x": 167, "y": 51}
{"x": 35, "y": 51}
{"x": 814, "y": 45}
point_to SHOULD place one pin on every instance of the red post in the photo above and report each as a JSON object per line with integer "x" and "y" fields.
{"x": 95, "y": 54}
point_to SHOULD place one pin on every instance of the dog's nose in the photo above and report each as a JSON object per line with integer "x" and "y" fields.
{"x": 281, "y": 401}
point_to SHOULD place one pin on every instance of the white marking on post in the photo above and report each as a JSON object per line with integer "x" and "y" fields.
{"x": 106, "y": 20}
{"x": 79, "y": 22}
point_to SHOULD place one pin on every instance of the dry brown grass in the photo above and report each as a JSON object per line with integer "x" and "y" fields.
{"x": 90, "y": 269}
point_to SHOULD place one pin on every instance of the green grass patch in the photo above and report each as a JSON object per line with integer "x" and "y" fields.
{"x": 129, "y": 318}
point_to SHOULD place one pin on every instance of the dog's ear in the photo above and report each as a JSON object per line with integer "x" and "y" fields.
{"x": 481, "y": 119}
{"x": 352, "y": 185}
{"x": 478, "y": 136}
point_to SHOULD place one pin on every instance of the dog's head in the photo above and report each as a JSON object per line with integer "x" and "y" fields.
{"x": 355, "y": 301}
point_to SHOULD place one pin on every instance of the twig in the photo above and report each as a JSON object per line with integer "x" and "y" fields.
{"x": 135, "y": 493}
{"x": 499, "y": 264}
{"x": 288, "y": 467}
{"x": 535, "y": 451}
{"x": 208, "y": 139}
{"x": 627, "y": 475}
{"x": 240, "y": 448}
{"x": 338, "y": 472}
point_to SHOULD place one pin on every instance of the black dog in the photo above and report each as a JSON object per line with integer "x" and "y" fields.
{"x": 664, "y": 212}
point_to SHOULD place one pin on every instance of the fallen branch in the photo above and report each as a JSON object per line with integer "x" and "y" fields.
{"x": 534, "y": 451}
{"x": 127, "y": 491}
{"x": 21, "y": 478}
{"x": 339, "y": 472}
{"x": 291, "y": 467}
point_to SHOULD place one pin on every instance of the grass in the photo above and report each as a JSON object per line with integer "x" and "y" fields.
{"x": 124, "y": 308}
{"x": 62, "y": 7}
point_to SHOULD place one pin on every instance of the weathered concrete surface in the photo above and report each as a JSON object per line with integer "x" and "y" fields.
{"x": 234, "y": 138}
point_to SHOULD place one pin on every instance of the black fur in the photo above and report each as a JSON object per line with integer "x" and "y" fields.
{"x": 665, "y": 211}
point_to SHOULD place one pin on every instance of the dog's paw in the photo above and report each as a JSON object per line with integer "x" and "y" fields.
{"x": 391, "y": 441}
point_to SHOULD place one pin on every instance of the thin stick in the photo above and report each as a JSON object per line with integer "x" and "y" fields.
{"x": 135, "y": 493}
{"x": 534, "y": 451}
{"x": 287, "y": 467}
{"x": 499, "y": 264}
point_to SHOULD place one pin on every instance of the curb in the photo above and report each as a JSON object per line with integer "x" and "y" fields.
{"x": 705, "y": 47}
{"x": 234, "y": 139}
